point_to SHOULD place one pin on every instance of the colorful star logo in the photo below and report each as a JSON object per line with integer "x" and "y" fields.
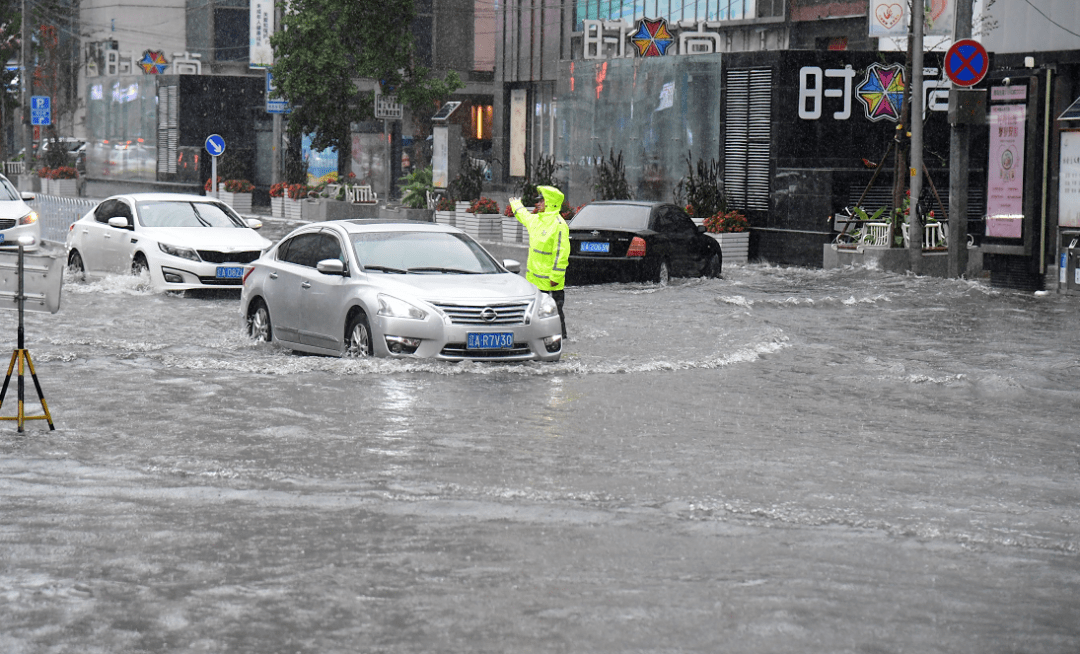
{"x": 652, "y": 38}
{"x": 153, "y": 63}
{"x": 882, "y": 91}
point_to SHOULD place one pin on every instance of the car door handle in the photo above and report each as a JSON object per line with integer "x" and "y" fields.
{"x": 272, "y": 275}
{"x": 108, "y": 236}
{"x": 306, "y": 285}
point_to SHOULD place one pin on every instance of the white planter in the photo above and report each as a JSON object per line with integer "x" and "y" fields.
{"x": 240, "y": 202}
{"x": 511, "y": 229}
{"x": 65, "y": 187}
{"x": 469, "y": 223}
{"x": 46, "y": 186}
{"x": 446, "y": 218}
{"x": 489, "y": 227}
{"x": 735, "y": 246}
{"x": 277, "y": 207}
{"x": 293, "y": 209}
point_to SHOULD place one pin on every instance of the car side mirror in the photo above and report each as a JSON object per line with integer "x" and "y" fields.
{"x": 119, "y": 222}
{"x": 513, "y": 265}
{"x": 701, "y": 229}
{"x": 331, "y": 267}
{"x": 28, "y": 196}
{"x": 254, "y": 223}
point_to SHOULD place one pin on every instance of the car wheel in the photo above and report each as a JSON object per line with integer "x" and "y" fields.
{"x": 75, "y": 266}
{"x": 358, "y": 337}
{"x": 139, "y": 265}
{"x": 259, "y": 326}
{"x": 663, "y": 274}
{"x": 712, "y": 267}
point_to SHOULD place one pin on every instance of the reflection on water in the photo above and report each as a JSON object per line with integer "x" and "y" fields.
{"x": 862, "y": 460}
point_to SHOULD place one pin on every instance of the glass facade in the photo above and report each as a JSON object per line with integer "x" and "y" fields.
{"x": 121, "y": 125}
{"x": 654, "y": 112}
{"x": 672, "y": 10}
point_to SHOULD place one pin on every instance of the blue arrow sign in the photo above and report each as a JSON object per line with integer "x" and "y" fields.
{"x": 215, "y": 145}
{"x": 40, "y": 110}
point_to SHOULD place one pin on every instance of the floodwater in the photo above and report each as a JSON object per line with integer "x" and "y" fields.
{"x": 782, "y": 460}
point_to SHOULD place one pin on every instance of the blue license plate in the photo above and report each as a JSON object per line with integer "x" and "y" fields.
{"x": 230, "y": 272}
{"x": 593, "y": 246}
{"x": 1, "y": 238}
{"x": 497, "y": 341}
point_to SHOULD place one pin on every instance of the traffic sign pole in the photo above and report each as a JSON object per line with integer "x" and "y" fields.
{"x": 215, "y": 145}
{"x": 959, "y": 163}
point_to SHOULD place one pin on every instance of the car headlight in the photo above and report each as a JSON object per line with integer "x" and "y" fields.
{"x": 183, "y": 253}
{"x": 393, "y": 307}
{"x": 28, "y": 219}
{"x": 548, "y": 308}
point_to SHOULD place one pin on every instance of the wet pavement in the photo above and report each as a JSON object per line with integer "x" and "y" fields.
{"x": 782, "y": 460}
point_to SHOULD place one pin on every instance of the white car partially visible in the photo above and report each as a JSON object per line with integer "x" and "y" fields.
{"x": 17, "y": 219}
{"x": 183, "y": 241}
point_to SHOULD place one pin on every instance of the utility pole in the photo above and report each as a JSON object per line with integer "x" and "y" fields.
{"x": 915, "y": 228}
{"x": 276, "y": 151}
{"x": 959, "y": 158}
{"x": 25, "y": 80}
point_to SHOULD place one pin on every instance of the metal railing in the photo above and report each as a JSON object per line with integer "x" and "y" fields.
{"x": 57, "y": 213}
{"x": 13, "y": 168}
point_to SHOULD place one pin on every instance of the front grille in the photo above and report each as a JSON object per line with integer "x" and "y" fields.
{"x": 460, "y": 350}
{"x": 507, "y": 313}
{"x": 7, "y": 223}
{"x": 210, "y": 256}
{"x": 214, "y": 281}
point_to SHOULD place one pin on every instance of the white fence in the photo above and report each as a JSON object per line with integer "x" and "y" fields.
{"x": 57, "y": 212}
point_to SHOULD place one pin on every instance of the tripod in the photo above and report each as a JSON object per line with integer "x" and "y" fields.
{"x": 20, "y": 355}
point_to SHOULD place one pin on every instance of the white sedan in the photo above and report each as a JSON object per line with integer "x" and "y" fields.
{"x": 362, "y": 288}
{"x": 17, "y": 219}
{"x": 183, "y": 241}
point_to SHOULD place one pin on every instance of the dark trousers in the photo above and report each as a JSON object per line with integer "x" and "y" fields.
{"x": 560, "y": 297}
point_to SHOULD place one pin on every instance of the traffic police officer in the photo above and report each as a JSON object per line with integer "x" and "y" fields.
{"x": 549, "y": 245}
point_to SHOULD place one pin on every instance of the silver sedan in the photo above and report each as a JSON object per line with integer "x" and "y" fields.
{"x": 399, "y": 289}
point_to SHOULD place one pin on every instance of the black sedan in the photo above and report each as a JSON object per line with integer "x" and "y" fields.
{"x": 625, "y": 240}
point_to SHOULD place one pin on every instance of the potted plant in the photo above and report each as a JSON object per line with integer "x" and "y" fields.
{"x": 237, "y": 194}
{"x": 487, "y": 220}
{"x": 415, "y": 189}
{"x": 512, "y": 229}
{"x": 63, "y": 180}
{"x": 294, "y": 198}
{"x": 445, "y": 212}
{"x": 277, "y": 200}
{"x": 731, "y": 230}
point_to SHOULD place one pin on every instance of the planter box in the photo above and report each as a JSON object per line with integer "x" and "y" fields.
{"x": 446, "y": 218}
{"x": 277, "y": 207}
{"x": 422, "y": 215}
{"x": 313, "y": 210}
{"x": 293, "y": 209}
{"x": 512, "y": 229}
{"x": 469, "y": 223}
{"x": 240, "y": 202}
{"x": 45, "y": 184}
{"x": 65, "y": 187}
{"x": 489, "y": 227}
{"x": 735, "y": 246}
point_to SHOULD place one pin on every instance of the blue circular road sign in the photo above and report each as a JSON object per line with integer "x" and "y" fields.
{"x": 215, "y": 145}
{"x": 966, "y": 62}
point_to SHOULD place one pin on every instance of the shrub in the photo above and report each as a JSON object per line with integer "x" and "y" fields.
{"x": 484, "y": 206}
{"x": 64, "y": 172}
{"x": 702, "y": 189}
{"x": 415, "y": 186}
{"x": 278, "y": 190}
{"x": 445, "y": 203}
{"x": 469, "y": 184}
{"x": 44, "y": 173}
{"x": 726, "y": 222}
{"x": 611, "y": 181}
{"x": 297, "y": 191}
{"x": 239, "y": 186}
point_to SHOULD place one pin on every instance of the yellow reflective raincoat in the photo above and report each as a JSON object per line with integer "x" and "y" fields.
{"x": 549, "y": 241}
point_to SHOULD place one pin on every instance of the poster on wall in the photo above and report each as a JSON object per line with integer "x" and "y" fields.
{"x": 1005, "y": 176}
{"x": 517, "y": 132}
{"x": 440, "y": 157}
{"x": 1069, "y": 181}
{"x": 889, "y": 18}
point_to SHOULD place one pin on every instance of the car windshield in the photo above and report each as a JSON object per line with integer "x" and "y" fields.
{"x": 171, "y": 213}
{"x": 427, "y": 253}
{"x": 7, "y": 191}
{"x": 611, "y": 216}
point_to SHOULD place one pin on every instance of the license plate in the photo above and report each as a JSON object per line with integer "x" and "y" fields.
{"x": 497, "y": 341}
{"x": 1, "y": 238}
{"x": 593, "y": 246}
{"x": 230, "y": 272}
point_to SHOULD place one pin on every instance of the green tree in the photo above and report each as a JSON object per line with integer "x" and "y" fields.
{"x": 324, "y": 49}
{"x": 10, "y": 26}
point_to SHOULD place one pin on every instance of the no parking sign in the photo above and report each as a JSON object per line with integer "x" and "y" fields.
{"x": 966, "y": 62}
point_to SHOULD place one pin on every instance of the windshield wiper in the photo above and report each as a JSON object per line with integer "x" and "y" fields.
{"x": 386, "y": 269}
{"x": 198, "y": 216}
{"x": 444, "y": 270}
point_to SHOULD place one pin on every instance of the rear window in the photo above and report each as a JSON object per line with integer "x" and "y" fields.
{"x": 612, "y": 216}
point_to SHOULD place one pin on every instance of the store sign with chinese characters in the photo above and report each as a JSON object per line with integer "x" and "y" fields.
{"x": 654, "y": 37}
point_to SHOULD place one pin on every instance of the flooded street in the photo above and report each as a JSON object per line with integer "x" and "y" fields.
{"x": 782, "y": 460}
